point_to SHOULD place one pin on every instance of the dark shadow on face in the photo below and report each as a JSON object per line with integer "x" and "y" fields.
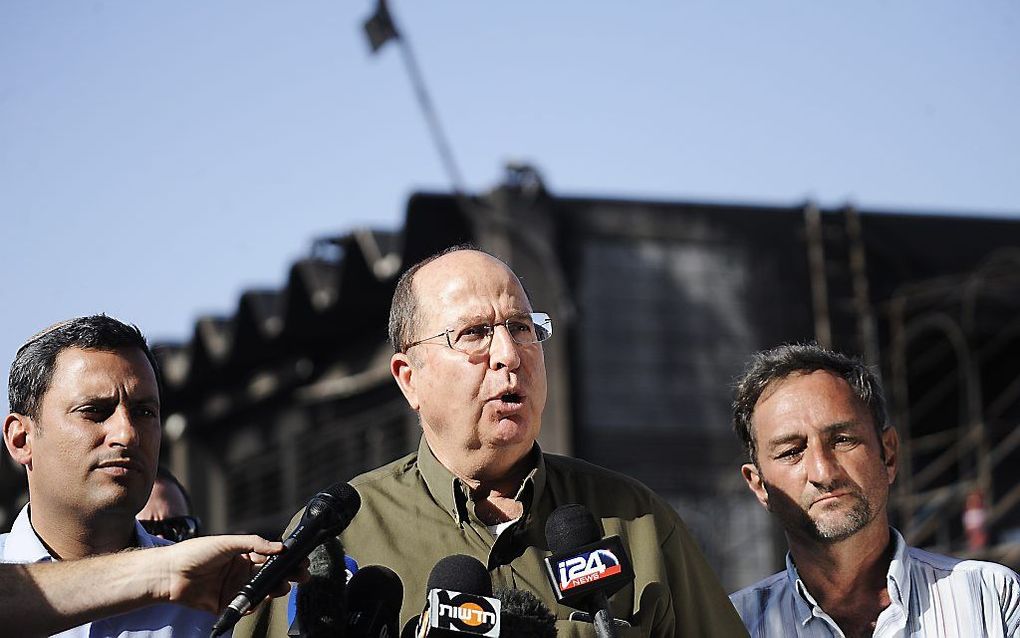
{"x": 797, "y": 521}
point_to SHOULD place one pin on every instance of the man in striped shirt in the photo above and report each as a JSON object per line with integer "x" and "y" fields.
{"x": 821, "y": 458}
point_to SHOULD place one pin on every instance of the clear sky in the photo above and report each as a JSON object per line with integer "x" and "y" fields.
{"x": 158, "y": 158}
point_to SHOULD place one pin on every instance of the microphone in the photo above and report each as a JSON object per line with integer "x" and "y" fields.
{"x": 327, "y": 514}
{"x": 320, "y": 605}
{"x": 460, "y": 600}
{"x": 410, "y": 629}
{"x": 350, "y": 568}
{"x": 585, "y": 569}
{"x": 523, "y": 615}
{"x": 374, "y": 595}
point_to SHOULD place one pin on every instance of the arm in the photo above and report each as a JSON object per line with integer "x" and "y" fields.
{"x": 700, "y": 605}
{"x": 203, "y": 573}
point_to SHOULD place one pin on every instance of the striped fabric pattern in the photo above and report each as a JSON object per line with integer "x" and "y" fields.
{"x": 931, "y": 596}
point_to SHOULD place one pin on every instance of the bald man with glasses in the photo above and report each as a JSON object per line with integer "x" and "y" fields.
{"x": 468, "y": 359}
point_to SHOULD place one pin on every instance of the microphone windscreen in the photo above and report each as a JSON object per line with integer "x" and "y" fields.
{"x": 570, "y": 526}
{"x": 374, "y": 595}
{"x": 461, "y": 573}
{"x": 321, "y": 609}
{"x": 523, "y": 615}
{"x": 410, "y": 629}
{"x": 342, "y": 499}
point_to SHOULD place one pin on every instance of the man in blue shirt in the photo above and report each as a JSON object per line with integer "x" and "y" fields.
{"x": 821, "y": 458}
{"x": 84, "y": 423}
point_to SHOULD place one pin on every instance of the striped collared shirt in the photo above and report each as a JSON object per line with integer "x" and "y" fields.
{"x": 930, "y": 595}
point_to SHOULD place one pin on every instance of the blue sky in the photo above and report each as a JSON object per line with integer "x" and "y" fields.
{"x": 158, "y": 158}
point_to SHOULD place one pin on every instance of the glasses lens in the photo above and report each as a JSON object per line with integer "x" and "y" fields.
{"x": 543, "y": 326}
{"x": 531, "y": 328}
{"x": 472, "y": 339}
{"x": 175, "y": 528}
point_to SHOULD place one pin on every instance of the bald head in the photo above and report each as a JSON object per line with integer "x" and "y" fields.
{"x": 406, "y": 310}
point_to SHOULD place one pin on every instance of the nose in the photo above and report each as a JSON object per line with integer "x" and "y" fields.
{"x": 823, "y": 468}
{"x": 122, "y": 428}
{"x": 503, "y": 351}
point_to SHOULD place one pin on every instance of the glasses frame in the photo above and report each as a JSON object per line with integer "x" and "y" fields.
{"x": 537, "y": 318}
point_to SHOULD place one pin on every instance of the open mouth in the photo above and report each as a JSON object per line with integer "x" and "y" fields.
{"x": 511, "y": 397}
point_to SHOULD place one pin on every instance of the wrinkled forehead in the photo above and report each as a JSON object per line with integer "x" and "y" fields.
{"x": 818, "y": 397}
{"x": 469, "y": 284}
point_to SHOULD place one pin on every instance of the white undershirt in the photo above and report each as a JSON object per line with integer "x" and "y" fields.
{"x": 497, "y": 529}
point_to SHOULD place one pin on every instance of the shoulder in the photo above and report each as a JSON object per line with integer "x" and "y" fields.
{"x": 583, "y": 475}
{"x": 623, "y": 503}
{"x": 386, "y": 476}
{"x": 751, "y": 601}
{"x": 990, "y": 573}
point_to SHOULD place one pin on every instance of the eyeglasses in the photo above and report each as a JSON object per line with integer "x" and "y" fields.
{"x": 175, "y": 528}
{"x": 475, "y": 339}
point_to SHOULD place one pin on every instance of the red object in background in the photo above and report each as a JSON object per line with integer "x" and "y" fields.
{"x": 975, "y": 518}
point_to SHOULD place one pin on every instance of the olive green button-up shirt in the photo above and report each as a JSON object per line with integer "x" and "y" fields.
{"x": 415, "y": 512}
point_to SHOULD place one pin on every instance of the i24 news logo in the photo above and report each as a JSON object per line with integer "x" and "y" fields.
{"x": 587, "y": 568}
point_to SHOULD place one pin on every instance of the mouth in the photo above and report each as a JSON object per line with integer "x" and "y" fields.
{"x": 119, "y": 466}
{"x": 507, "y": 402}
{"x": 831, "y": 496}
{"x": 512, "y": 398}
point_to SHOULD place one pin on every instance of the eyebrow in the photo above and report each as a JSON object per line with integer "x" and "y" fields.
{"x": 102, "y": 397}
{"x": 476, "y": 319}
{"x": 827, "y": 430}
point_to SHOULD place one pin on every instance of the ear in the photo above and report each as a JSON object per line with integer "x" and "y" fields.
{"x": 403, "y": 372}
{"x": 752, "y": 476}
{"x": 891, "y": 447}
{"x": 18, "y": 438}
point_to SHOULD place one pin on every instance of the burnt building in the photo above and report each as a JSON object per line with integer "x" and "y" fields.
{"x": 657, "y": 307}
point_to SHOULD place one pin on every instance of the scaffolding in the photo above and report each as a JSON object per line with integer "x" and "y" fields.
{"x": 954, "y": 343}
{"x": 949, "y": 349}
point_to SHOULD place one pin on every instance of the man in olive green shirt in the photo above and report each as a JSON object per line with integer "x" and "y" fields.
{"x": 468, "y": 359}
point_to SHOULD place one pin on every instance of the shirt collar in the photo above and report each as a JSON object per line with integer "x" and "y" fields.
{"x": 23, "y": 545}
{"x": 452, "y": 495}
{"x": 897, "y": 580}
{"x": 804, "y": 603}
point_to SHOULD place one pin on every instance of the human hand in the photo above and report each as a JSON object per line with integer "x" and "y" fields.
{"x": 207, "y": 572}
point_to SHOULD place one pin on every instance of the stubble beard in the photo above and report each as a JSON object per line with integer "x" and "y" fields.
{"x": 832, "y": 529}
{"x": 823, "y": 527}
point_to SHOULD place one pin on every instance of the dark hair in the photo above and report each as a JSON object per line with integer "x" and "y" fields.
{"x": 768, "y": 366}
{"x": 404, "y": 320}
{"x": 32, "y": 370}
{"x": 162, "y": 473}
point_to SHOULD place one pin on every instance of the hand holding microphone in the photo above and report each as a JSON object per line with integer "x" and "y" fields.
{"x": 327, "y": 514}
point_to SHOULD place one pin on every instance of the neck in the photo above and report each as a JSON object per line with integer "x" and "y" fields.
{"x": 494, "y": 489}
{"x": 847, "y": 578}
{"x": 70, "y": 538}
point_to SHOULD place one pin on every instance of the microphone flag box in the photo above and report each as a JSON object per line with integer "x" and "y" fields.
{"x": 455, "y": 611}
{"x": 600, "y": 566}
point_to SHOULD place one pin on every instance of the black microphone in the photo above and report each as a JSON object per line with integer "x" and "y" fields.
{"x": 327, "y": 514}
{"x": 523, "y": 615}
{"x": 460, "y": 600}
{"x": 321, "y": 609}
{"x": 410, "y": 629}
{"x": 585, "y": 569}
{"x": 373, "y": 603}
